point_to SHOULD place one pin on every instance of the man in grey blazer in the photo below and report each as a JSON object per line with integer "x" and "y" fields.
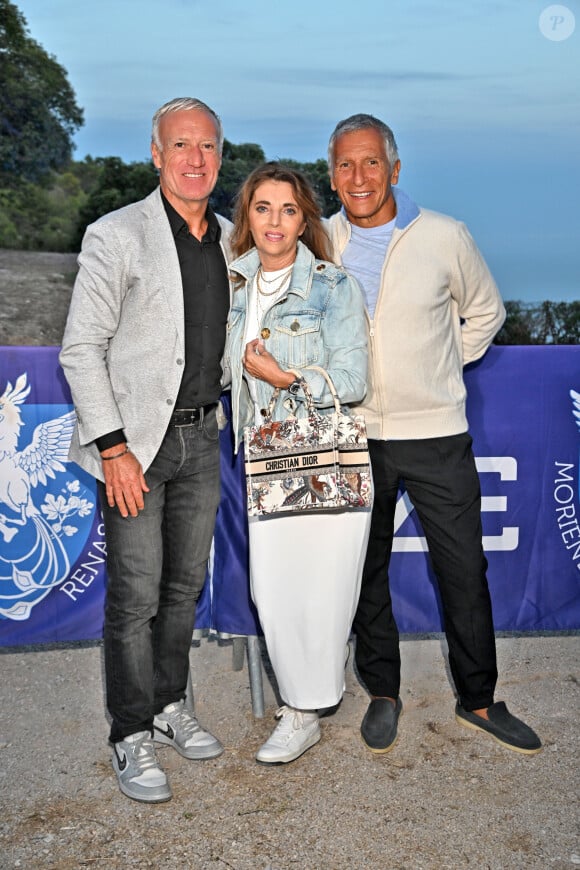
{"x": 142, "y": 354}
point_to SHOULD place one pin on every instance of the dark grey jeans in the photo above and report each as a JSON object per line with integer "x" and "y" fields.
{"x": 156, "y": 567}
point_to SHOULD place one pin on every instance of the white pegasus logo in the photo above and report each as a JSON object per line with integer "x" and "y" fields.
{"x": 39, "y": 561}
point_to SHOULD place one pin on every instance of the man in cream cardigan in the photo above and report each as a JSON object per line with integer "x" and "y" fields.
{"x": 433, "y": 306}
{"x": 142, "y": 353}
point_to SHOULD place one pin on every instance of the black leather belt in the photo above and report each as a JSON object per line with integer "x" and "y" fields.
{"x": 190, "y": 416}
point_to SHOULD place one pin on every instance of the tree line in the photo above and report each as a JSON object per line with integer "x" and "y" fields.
{"x": 47, "y": 199}
{"x": 51, "y": 213}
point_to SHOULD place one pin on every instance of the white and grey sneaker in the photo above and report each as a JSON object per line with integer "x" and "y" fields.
{"x": 138, "y": 772}
{"x": 178, "y": 727}
{"x": 296, "y": 732}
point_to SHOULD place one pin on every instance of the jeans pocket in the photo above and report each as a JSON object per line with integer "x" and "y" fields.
{"x": 210, "y": 426}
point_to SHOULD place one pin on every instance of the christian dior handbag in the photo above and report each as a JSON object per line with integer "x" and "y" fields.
{"x": 314, "y": 463}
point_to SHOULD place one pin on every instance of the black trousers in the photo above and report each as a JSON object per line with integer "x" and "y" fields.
{"x": 442, "y": 482}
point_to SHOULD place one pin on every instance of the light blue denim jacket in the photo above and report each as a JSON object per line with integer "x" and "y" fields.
{"x": 320, "y": 320}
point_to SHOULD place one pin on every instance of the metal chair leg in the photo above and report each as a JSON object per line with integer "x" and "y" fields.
{"x": 255, "y": 672}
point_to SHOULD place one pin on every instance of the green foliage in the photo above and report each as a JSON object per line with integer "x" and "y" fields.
{"x": 38, "y": 109}
{"x": 87, "y": 172}
{"x": 116, "y": 184}
{"x": 317, "y": 174}
{"x": 547, "y": 323}
{"x": 237, "y": 163}
{"x": 44, "y": 217}
{"x": 9, "y": 237}
{"x": 40, "y": 218}
{"x": 113, "y": 185}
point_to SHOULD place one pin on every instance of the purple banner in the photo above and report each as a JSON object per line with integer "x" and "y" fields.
{"x": 524, "y": 410}
{"x": 52, "y": 549}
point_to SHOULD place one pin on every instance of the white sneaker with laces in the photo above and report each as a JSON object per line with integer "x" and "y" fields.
{"x": 296, "y": 732}
{"x": 138, "y": 772}
{"x": 178, "y": 727}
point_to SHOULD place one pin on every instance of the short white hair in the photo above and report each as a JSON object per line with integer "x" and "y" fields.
{"x": 185, "y": 104}
{"x": 363, "y": 122}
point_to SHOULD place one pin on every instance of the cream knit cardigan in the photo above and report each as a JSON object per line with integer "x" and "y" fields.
{"x": 438, "y": 308}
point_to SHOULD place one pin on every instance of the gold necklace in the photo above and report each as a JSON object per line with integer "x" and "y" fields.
{"x": 279, "y": 279}
{"x": 259, "y": 310}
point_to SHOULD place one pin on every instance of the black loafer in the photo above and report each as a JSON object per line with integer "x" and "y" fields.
{"x": 379, "y": 726}
{"x": 503, "y": 727}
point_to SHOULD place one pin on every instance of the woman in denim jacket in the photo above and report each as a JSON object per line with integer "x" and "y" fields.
{"x": 293, "y": 309}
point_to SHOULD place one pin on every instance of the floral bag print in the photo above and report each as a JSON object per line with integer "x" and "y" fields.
{"x": 316, "y": 463}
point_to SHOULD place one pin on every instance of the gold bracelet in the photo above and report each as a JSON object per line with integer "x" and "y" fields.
{"x": 116, "y": 455}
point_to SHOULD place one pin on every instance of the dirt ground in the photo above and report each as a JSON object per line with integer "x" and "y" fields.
{"x": 445, "y": 798}
{"x": 35, "y": 291}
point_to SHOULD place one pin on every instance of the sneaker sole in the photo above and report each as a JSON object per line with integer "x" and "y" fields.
{"x": 312, "y": 742}
{"x": 199, "y": 753}
{"x": 142, "y": 797}
{"x": 497, "y": 739}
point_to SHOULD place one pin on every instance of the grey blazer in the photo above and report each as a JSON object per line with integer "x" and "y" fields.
{"x": 123, "y": 347}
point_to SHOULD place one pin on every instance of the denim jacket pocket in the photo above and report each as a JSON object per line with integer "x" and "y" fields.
{"x": 296, "y": 338}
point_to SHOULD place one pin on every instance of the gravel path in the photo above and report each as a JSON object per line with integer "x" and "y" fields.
{"x": 444, "y": 798}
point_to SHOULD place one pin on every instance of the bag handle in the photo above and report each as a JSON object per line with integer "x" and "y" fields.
{"x": 305, "y": 389}
{"x": 330, "y": 383}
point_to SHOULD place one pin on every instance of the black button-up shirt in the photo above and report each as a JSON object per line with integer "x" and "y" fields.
{"x": 206, "y": 302}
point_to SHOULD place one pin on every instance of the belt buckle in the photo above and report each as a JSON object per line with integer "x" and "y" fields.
{"x": 187, "y": 417}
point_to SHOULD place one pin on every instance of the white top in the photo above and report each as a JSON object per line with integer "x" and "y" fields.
{"x": 261, "y": 297}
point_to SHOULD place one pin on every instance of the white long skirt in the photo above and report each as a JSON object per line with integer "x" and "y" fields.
{"x": 305, "y": 575}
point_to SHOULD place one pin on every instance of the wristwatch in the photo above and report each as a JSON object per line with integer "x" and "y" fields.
{"x": 295, "y": 387}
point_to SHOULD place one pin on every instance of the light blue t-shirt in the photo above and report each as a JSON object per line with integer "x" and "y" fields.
{"x": 364, "y": 257}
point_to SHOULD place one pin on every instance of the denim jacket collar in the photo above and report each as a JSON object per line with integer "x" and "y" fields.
{"x": 301, "y": 281}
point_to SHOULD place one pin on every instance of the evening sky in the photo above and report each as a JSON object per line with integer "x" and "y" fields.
{"x": 484, "y": 99}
